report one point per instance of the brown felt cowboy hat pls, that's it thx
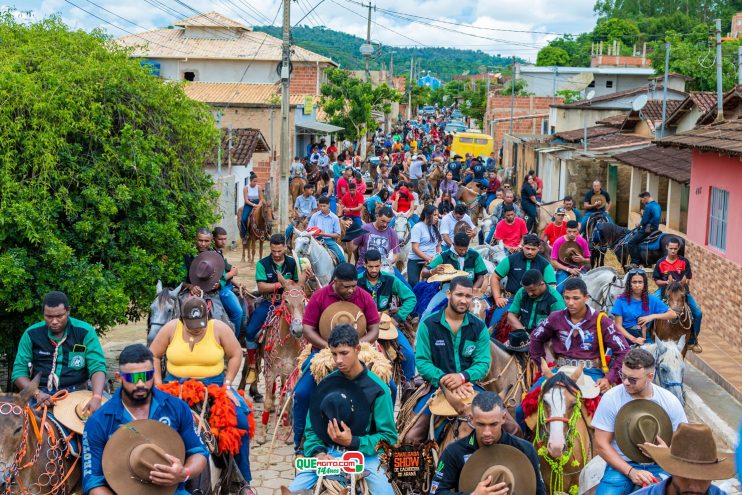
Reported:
(693, 455)
(639, 422)
(441, 407)
(339, 313)
(69, 411)
(134, 449)
(566, 250)
(206, 270)
(387, 328)
(449, 273)
(504, 464)
(598, 200)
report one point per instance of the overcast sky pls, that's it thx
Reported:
(484, 23)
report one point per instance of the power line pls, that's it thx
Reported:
(310, 11)
(380, 25)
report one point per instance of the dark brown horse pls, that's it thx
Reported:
(614, 237)
(472, 196)
(259, 229)
(676, 296)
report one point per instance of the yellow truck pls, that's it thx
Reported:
(476, 143)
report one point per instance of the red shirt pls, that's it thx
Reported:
(342, 187)
(331, 150)
(349, 201)
(322, 298)
(539, 183)
(511, 234)
(405, 198)
(553, 232)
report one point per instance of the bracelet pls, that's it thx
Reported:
(462, 377)
(188, 474)
(629, 473)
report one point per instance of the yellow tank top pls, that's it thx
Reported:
(204, 361)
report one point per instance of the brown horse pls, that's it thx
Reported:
(259, 229)
(296, 188)
(562, 438)
(472, 197)
(546, 215)
(676, 296)
(34, 450)
(280, 346)
(435, 176)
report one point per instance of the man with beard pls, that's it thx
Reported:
(138, 399)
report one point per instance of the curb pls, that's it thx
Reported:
(714, 375)
(709, 417)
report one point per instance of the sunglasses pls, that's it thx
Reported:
(630, 379)
(637, 271)
(143, 376)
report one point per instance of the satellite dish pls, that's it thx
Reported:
(639, 103)
(590, 95)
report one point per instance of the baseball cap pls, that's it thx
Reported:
(560, 211)
(194, 313)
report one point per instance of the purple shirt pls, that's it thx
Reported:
(579, 240)
(385, 241)
(322, 298)
(579, 345)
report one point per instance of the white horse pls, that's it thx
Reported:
(669, 365)
(306, 246)
(604, 285)
(403, 230)
(494, 254)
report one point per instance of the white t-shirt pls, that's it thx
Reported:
(449, 222)
(416, 169)
(614, 400)
(426, 243)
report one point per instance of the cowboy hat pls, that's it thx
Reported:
(518, 341)
(352, 232)
(588, 388)
(638, 422)
(504, 464)
(693, 455)
(338, 398)
(387, 328)
(131, 452)
(566, 250)
(69, 411)
(339, 313)
(441, 407)
(449, 273)
(598, 200)
(206, 270)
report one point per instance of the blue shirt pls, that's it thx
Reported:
(661, 489)
(326, 223)
(631, 311)
(305, 205)
(105, 421)
(651, 215)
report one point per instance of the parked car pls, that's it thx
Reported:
(428, 111)
(455, 126)
(456, 114)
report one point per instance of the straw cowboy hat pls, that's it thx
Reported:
(449, 273)
(504, 464)
(441, 407)
(69, 410)
(340, 313)
(567, 250)
(338, 398)
(133, 450)
(206, 270)
(588, 388)
(387, 328)
(639, 422)
(598, 200)
(693, 455)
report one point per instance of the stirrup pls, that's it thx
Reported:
(252, 376)
(696, 348)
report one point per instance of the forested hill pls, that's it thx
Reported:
(344, 49)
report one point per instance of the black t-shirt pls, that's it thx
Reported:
(591, 193)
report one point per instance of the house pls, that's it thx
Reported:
(686, 115)
(548, 81)
(429, 81)
(530, 115)
(714, 240)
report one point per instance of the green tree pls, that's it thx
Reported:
(614, 29)
(521, 88)
(101, 176)
(578, 49)
(552, 55)
(348, 102)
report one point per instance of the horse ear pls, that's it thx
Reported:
(302, 278)
(281, 279)
(545, 370)
(174, 293)
(681, 343)
(29, 390)
(578, 372)
(158, 287)
(661, 346)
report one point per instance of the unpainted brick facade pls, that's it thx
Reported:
(499, 108)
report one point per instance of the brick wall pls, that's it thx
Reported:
(720, 297)
(499, 108)
(304, 80)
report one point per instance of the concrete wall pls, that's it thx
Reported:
(227, 205)
(688, 121)
(713, 170)
(569, 119)
(260, 72)
(542, 84)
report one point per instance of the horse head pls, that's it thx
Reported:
(401, 226)
(295, 299)
(559, 396)
(669, 366)
(675, 295)
(302, 243)
(161, 310)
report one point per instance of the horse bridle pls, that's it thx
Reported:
(605, 293)
(560, 419)
(657, 376)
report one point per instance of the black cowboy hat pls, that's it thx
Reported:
(518, 341)
(206, 270)
(353, 231)
(338, 398)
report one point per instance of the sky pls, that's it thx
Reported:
(507, 27)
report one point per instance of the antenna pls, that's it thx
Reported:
(590, 95)
(639, 103)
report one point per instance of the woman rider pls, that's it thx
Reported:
(195, 347)
(636, 308)
(326, 187)
(448, 185)
(425, 241)
(253, 197)
(529, 203)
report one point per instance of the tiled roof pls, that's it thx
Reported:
(731, 100)
(245, 142)
(610, 97)
(724, 137)
(673, 163)
(246, 45)
(210, 19)
(614, 121)
(703, 100)
(652, 111)
(616, 140)
(579, 134)
(240, 94)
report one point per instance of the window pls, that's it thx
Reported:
(466, 140)
(609, 84)
(718, 217)
(479, 141)
(544, 127)
(592, 84)
(189, 76)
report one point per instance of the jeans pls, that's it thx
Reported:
(242, 459)
(437, 299)
(498, 312)
(246, 210)
(414, 267)
(334, 204)
(332, 245)
(408, 365)
(376, 480)
(616, 483)
(491, 233)
(356, 220)
(587, 216)
(634, 243)
(490, 198)
(485, 183)
(232, 307)
(257, 318)
(695, 310)
(532, 214)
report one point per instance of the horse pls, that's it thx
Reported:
(280, 346)
(306, 246)
(259, 229)
(562, 454)
(161, 310)
(546, 214)
(676, 297)
(473, 200)
(296, 188)
(614, 237)
(35, 452)
(604, 285)
(494, 254)
(669, 365)
(435, 176)
(403, 230)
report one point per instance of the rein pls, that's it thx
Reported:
(605, 294)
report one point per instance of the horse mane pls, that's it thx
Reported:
(602, 269)
(559, 380)
(162, 297)
(674, 287)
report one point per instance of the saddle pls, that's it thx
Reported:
(653, 240)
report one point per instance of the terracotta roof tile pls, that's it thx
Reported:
(210, 19)
(245, 142)
(614, 121)
(673, 163)
(652, 111)
(724, 137)
(579, 134)
(615, 141)
(240, 94)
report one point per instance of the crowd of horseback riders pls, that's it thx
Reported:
(514, 366)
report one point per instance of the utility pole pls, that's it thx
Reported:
(512, 96)
(719, 91)
(367, 56)
(219, 150)
(664, 89)
(554, 88)
(283, 192)
(391, 68)
(229, 152)
(409, 101)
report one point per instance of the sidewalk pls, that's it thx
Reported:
(721, 362)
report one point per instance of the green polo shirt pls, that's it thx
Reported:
(536, 317)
